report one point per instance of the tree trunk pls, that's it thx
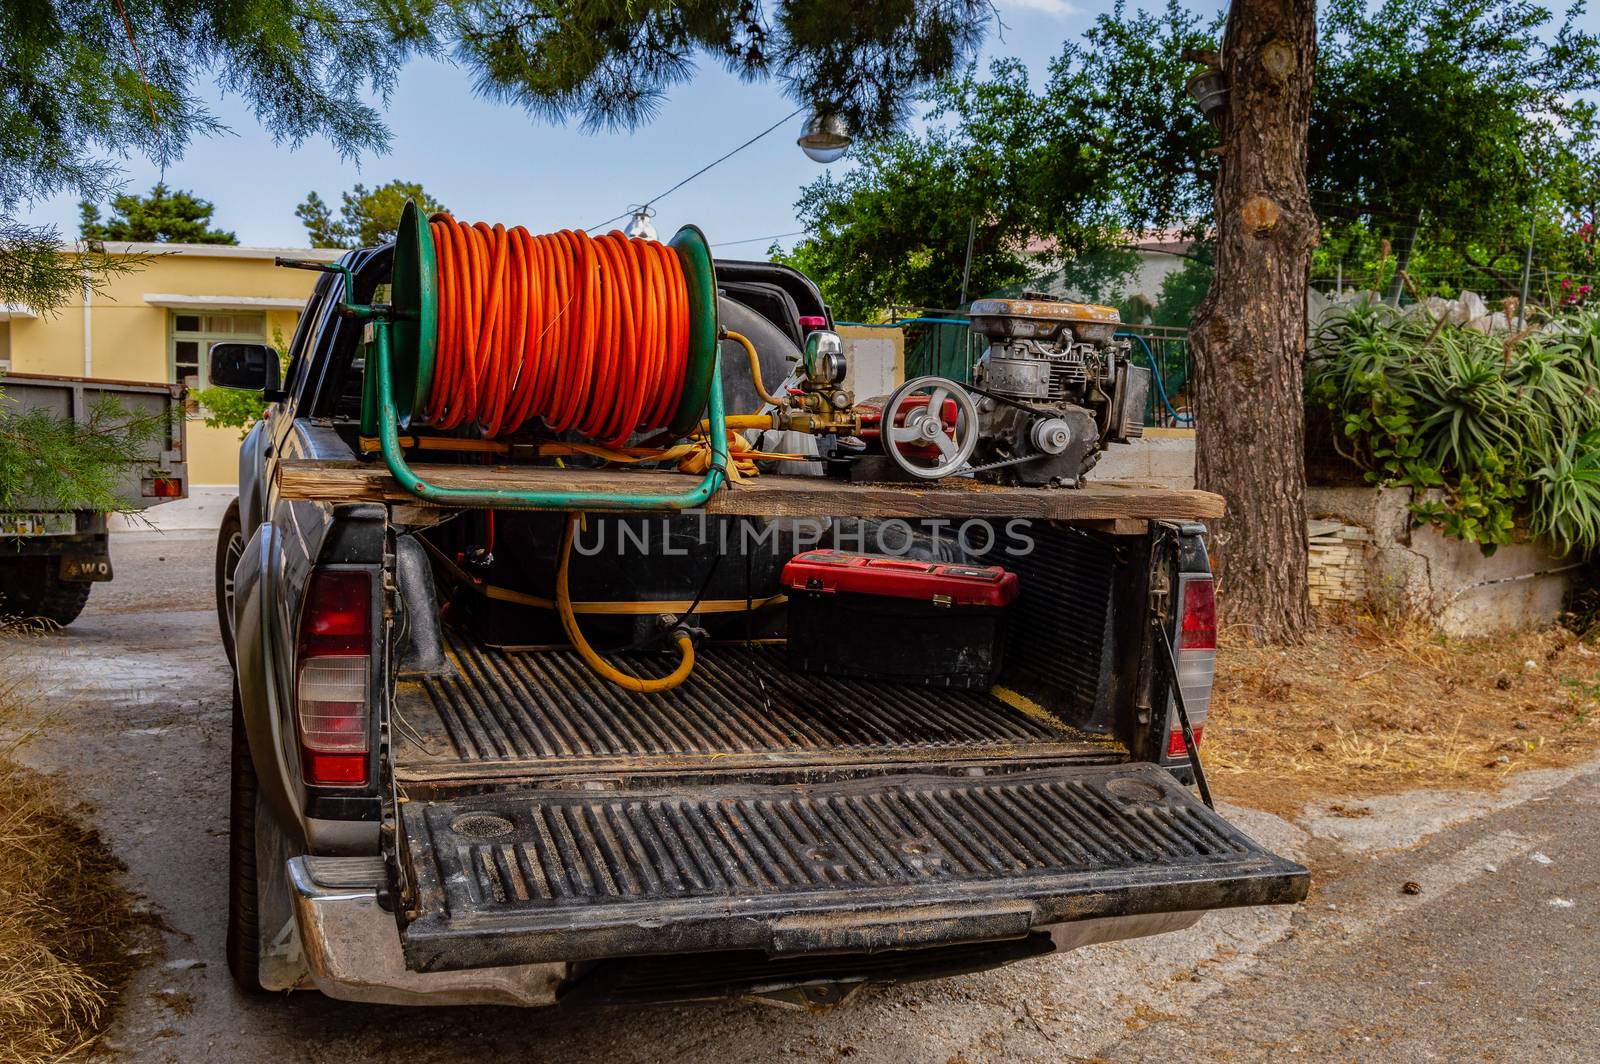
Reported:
(1248, 337)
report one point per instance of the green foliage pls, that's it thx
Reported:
(1100, 275)
(1107, 145)
(893, 230)
(1451, 124)
(1456, 123)
(37, 273)
(230, 408)
(50, 462)
(368, 217)
(74, 97)
(73, 93)
(1485, 431)
(609, 63)
(80, 84)
(1568, 493)
(1130, 77)
(1184, 288)
(164, 216)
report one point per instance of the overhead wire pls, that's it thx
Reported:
(757, 239)
(714, 162)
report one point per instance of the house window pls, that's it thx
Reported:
(192, 337)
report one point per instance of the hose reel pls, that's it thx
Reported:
(599, 318)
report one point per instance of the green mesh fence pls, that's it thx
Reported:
(942, 350)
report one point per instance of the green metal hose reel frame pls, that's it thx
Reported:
(402, 364)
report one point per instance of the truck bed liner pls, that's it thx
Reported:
(858, 866)
(541, 712)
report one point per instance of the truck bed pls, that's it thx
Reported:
(74, 399)
(538, 712)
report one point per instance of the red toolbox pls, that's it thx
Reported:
(882, 618)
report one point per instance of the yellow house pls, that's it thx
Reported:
(158, 322)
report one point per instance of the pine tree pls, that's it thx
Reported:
(367, 218)
(164, 216)
(54, 463)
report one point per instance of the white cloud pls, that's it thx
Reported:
(1058, 8)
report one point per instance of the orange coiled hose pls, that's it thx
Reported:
(581, 333)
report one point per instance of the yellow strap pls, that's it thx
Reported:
(692, 456)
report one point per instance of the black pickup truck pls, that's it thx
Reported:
(435, 801)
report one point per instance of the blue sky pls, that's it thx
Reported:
(492, 162)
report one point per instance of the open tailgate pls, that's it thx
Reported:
(890, 862)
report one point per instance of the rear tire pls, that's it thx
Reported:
(244, 921)
(32, 592)
(230, 547)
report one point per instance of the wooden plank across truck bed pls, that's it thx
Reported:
(771, 496)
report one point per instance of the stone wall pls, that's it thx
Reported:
(1365, 552)
(1340, 560)
(1161, 456)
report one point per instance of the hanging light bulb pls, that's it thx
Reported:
(824, 137)
(640, 225)
(1209, 91)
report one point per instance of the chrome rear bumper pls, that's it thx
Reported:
(350, 947)
(342, 943)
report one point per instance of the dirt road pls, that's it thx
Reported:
(1494, 959)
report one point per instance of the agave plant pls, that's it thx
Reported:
(1566, 504)
(1504, 430)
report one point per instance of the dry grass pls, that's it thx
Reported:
(1370, 707)
(65, 920)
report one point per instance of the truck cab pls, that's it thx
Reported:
(438, 798)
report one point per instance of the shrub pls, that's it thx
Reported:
(1487, 431)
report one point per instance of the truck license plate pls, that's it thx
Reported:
(42, 524)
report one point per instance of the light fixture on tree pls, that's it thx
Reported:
(824, 137)
(639, 225)
(1209, 91)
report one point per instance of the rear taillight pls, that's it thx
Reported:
(1197, 657)
(1175, 746)
(162, 488)
(332, 690)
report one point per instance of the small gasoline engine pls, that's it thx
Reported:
(1055, 387)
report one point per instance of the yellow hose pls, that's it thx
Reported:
(598, 665)
(740, 422)
(755, 367)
